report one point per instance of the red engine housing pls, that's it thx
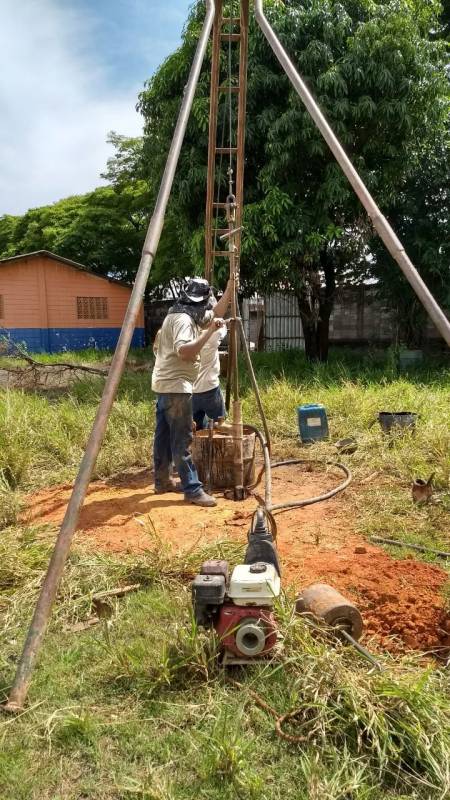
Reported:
(246, 631)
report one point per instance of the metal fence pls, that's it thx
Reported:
(272, 323)
(282, 323)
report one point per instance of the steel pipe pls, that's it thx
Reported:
(380, 223)
(56, 566)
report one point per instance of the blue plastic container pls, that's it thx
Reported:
(312, 422)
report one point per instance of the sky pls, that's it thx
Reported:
(70, 71)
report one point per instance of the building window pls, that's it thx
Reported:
(92, 307)
(2, 307)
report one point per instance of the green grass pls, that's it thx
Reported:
(139, 708)
(354, 391)
(144, 710)
(42, 436)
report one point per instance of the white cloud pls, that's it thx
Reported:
(56, 105)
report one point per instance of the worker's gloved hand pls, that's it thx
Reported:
(217, 323)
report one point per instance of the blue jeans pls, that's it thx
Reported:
(173, 438)
(207, 403)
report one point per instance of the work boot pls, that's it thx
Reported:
(201, 499)
(170, 486)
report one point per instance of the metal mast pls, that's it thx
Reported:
(228, 30)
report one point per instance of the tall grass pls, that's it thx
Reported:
(354, 391)
(42, 435)
(89, 356)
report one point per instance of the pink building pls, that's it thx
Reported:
(51, 304)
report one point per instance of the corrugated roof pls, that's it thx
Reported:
(68, 261)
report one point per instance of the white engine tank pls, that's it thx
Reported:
(254, 584)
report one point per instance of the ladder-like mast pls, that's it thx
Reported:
(228, 30)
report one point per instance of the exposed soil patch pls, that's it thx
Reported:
(400, 599)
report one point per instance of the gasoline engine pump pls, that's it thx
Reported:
(240, 606)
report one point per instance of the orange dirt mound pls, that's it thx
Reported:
(400, 599)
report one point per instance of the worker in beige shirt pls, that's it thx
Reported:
(207, 397)
(190, 323)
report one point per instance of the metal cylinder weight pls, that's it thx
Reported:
(326, 603)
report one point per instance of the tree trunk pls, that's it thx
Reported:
(309, 324)
(323, 337)
(327, 296)
(315, 304)
(218, 456)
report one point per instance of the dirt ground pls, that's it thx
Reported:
(400, 600)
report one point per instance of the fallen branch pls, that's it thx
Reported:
(22, 353)
(117, 592)
(82, 626)
(102, 609)
(370, 478)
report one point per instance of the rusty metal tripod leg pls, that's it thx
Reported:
(55, 569)
(380, 223)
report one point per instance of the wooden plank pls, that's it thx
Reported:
(226, 151)
(231, 21)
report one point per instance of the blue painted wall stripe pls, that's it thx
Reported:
(56, 340)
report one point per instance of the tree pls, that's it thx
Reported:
(380, 79)
(103, 229)
(421, 218)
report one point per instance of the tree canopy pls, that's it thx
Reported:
(103, 229)
(379, 76)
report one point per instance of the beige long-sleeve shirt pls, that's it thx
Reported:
(171, 374)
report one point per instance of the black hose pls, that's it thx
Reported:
(319, 498)
(308, 501)
(267, 467)
(254, 383)
(408, 545)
